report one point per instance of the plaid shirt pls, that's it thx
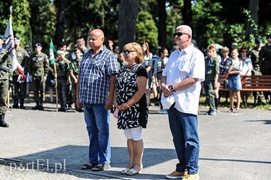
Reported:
(95, 76)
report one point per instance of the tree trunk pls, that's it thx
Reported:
(253, 8)
(127, 21)
(162, 31)
(187, 13)
(59, 35)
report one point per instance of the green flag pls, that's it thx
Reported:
(52, 53)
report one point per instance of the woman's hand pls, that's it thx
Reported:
(123, 107)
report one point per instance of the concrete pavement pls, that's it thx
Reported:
(233, 146)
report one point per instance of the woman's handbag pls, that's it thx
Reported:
(116, 113)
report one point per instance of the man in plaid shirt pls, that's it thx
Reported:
(95, 92)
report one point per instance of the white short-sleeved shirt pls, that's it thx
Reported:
(246, 66)
(187, 63)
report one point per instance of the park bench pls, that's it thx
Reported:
(250, 83)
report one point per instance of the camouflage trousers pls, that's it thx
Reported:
(19, 88)
(210, 94)
(62, 91)
(257, 95)
(3, 96)
(38, 88)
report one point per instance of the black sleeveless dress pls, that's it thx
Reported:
(126, 87)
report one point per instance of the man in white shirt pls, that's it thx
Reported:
(181, 81)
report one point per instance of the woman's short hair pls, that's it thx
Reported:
(225, 49)
(134, 46)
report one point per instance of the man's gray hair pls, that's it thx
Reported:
(187, 29)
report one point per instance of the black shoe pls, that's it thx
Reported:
(2, 121)
(69, 107)
(41, 107)
(36, 107)
(22, 107)
(62, 109)
(79, 109)
(15, 106)
(4, 125)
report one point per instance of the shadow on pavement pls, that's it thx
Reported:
(69, 158)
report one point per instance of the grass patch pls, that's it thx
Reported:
(250, 103)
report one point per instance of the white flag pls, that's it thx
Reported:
(9, 45)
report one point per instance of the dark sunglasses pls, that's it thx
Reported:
(243, 51)
(179, 34)
(126, 52)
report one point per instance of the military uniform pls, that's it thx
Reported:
(38, 68)
(265, 64)
(5, 73)
(62, 78)
(74, 69)
(69, 85)
(211, 69)
(20, 87)
(255, 58)
(265, 60)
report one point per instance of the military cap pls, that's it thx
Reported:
(17, 38)
(268, 36)
(61, 44)
(38, 44)
(60, 52)
(258, 40)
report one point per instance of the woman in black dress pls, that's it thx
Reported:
(132, 105)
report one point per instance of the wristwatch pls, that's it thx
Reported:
(172, 89)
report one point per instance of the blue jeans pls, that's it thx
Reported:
(97, 121)
(184, 129)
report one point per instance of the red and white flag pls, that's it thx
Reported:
(9, 45)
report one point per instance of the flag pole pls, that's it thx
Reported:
(10, 10)
(56, 87)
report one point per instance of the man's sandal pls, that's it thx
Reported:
(88, 166)
(101, 167)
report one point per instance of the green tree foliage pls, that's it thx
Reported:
(4, 15)
(146, 29)
(42, 22)
(207, 27)
(213, 21)
(82, 16)
(20, 18)
(174, 19)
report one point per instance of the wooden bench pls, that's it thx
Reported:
(250, 83)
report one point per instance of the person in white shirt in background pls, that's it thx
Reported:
(246, 71)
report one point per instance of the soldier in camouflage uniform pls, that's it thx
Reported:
(254, 56)
(38, 69)
(68, 58)
(211, 78)
(81, 44)
(74, 72)
(5, 73)
(61, 75)
(19, 87)
(265, 62)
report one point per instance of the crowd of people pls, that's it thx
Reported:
(101, 79)
(235, 63)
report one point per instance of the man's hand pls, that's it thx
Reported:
(165, 89)
(108, 105)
